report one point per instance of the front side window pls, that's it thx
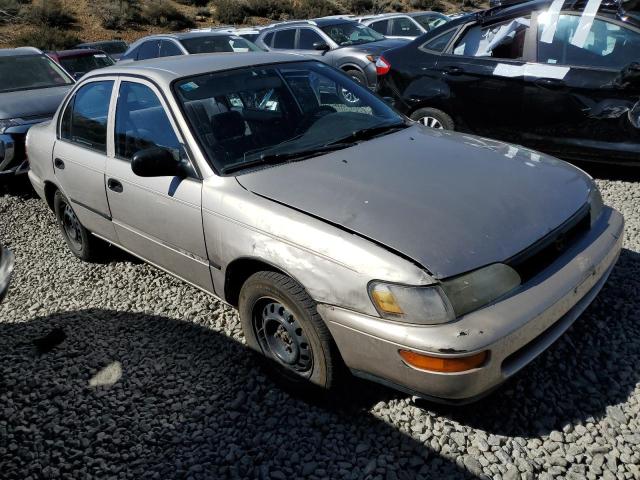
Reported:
(285, 39)
(307, 38)
(27, 72)
(142, 122)
(85, 118)
(86, 63)
(351, 33)
(504, 40)
(218, 44)
(274, 114)
(169, 49)
(404, 27)
(431, 21)
(380, 26)
(604, 45)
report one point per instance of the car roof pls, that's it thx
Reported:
(166, 69)
(77, 52)
(99, 42)
(19, 51)
(186, 35)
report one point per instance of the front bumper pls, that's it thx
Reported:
(515, 329)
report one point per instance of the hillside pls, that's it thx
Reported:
(62, 23)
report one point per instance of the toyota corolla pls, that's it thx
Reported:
(347, 237)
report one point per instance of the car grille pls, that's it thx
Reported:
(545, 251)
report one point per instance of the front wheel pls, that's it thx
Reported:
(433, 118)
(280, 321)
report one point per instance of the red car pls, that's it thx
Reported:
(80, 61)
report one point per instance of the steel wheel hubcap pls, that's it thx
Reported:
(72, 226)
(431, 122)
(282, 338)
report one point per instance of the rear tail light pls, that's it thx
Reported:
(382, 66)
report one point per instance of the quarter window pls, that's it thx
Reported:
(606, 45)
(504, 40)
(268, 38)
(285, 39)
(141, 122)
(404, 27)
(307, 38)
(85, 119)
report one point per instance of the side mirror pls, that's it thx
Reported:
(156, 162)
(322, 46)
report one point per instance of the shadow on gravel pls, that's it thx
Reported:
(142, 396)
(611, 172)
(581, 378)
(17, 186)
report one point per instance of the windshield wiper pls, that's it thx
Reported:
(284, 157)
(371, 132)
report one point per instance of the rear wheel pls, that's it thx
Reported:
(433, 118)
(347, 96)
(281, 322)
(79, 240)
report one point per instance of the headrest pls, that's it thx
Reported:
(227, 125)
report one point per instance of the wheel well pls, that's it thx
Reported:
(238, 272)
(49, 192)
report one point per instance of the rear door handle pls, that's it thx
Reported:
(454, 70)
(59, 164)
(114, 185)
(550, 83)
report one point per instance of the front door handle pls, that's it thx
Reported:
(59, 164)
(454, 70)
(550, 83)
(114, 185)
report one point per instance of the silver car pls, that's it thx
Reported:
(404, 25)
(434, 262)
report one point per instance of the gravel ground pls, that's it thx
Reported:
(152, 380)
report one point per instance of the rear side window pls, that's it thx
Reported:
(439, 43)
(148, 50)
(84, 121)
(604, 45)
(285, 39)
(380, 26)
(503, 40)
(307, 38)
(404, 27)
(169, 49)
(268, 38)
(142, 122)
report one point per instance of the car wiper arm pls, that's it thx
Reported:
(275, 158)
(371, 132)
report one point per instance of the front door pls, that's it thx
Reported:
(583, 111)
(80, 154)
(157, 218)
(484, 71)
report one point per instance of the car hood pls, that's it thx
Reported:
(376, 48)
(42, 102)
(450, 202)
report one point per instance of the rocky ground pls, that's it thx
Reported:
(150, 379)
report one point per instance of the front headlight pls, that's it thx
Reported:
(595, 203)
(475, 289)
(422, 305)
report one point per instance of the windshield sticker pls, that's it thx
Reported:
(550, 21)
(189, 87)
(586, 22)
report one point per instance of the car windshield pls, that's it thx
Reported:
(26, 72)
(351, 33)
(218, 44)
(112, 47)
(273, 114)
(86, 63)
(431, 20)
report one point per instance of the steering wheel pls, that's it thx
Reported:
(313, 116)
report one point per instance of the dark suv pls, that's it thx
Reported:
(32, 86)
(539, 74)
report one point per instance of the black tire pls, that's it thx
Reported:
(79, 240)
(282, 337)
(349, 98)
(443, 120)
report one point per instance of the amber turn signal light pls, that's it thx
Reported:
(443, 365)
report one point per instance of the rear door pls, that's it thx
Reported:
(285, 40)
(582, 110)
(80, 154)
(157, 218)
(484, 72)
